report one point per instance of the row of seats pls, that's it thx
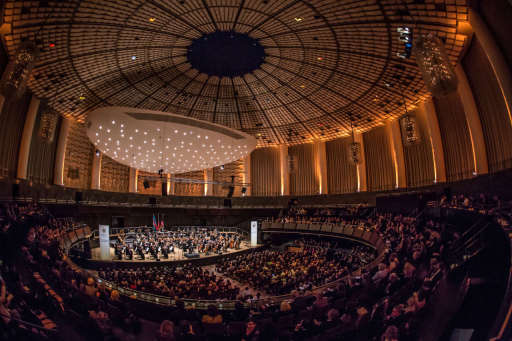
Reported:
(26, 191)
(369, 236)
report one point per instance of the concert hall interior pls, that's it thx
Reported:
(256, 170)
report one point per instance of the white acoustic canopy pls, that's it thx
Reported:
(153, 140)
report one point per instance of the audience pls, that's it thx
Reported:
(306, 265)
(41, 286)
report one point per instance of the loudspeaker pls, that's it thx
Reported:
(152, 200)
(78, 196)
(164, 189)
(227, 203)
(145, 184)
(230, 191)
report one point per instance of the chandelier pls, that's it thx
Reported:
(434, 65)
(410, 133)
(17, 72)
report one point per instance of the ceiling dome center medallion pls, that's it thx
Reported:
(225, 54)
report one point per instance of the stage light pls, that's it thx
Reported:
(405, 36)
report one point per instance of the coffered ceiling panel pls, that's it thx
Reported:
(325, 64)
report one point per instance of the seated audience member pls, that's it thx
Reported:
(391, 334)
(166, 331)
(252, 332)
(90, 288)
(285, 307)
(186, 331)
(212, 316)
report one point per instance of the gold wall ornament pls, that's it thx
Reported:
(435, 65)
(354, 152)
(410, 133)
(292, 164)
(48, 124)
(16, 74)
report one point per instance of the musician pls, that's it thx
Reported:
(153, 244)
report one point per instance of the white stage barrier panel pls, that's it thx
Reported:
(254, 233)
(104, 242)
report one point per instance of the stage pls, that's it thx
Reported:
(177, 256)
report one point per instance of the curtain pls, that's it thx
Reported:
(380, 170)
(458, 153)
(303, 181)
(265, 172)
(341, 173)
(496, 124)
(418, 158)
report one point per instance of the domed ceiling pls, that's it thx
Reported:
(284, 71)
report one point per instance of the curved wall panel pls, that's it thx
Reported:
(380, 172)
(341, 174)
(114, 176)
(496, 123)
(458, 153)
(265, 174)
(303, 181)
(497, 14)
(78, 159)
(155, 186)
(419, 164)
(190, 189)
(12, 120)
(41, 158)
(235, 169)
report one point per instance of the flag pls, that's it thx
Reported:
(161, 224)
(154, 223)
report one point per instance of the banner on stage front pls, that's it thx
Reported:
(104, 242)
(254, 233)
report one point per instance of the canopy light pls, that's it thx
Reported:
(154, 140)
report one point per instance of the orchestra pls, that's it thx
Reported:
(157, 245)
